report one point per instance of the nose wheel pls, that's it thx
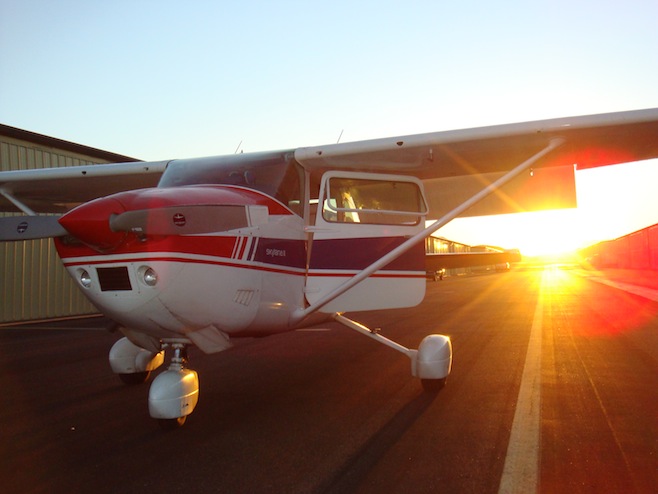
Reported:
(174, 393)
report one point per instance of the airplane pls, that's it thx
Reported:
(197, 252)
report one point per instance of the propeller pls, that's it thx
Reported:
(106, 223)
(187, 220)
(30, 227)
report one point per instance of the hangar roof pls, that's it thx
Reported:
(53, 142)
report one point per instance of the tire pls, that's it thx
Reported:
(135, 378)
(172, 424)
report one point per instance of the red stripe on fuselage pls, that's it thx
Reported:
(185, 260)
(241, 244)
(279, 255)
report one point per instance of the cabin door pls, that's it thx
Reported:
(361, 217)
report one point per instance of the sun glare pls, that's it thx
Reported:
(612, 201)
(547, 233)
(542, 233)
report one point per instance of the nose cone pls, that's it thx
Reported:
(90, 223)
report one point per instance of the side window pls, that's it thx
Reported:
(372, 201)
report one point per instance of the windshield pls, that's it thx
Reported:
(274, 174)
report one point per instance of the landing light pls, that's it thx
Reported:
(85, 279)
(149, 276)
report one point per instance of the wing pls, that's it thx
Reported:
(453, 164)
(56, 190)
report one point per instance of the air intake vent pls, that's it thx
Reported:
(114, 279)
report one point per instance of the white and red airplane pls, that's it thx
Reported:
(262, 243)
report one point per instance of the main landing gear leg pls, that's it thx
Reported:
(175, 392)
(431, 363)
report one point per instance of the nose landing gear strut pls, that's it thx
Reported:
(175, 392)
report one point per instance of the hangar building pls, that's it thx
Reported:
(33, 282)
(636, 250)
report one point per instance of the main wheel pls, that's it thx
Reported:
(135, 378)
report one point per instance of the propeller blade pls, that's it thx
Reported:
(30, 228)
(183, 220)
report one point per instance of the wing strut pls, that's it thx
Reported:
(421, 236)
(17, 203)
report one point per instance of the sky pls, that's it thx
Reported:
(169, 79)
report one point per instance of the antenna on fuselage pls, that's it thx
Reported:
(340, 135)
(238, 148)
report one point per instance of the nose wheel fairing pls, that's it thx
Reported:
(174, 393)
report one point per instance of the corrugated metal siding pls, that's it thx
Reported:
(33, 281)
(637, 250)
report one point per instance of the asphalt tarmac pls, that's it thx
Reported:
(554, 389)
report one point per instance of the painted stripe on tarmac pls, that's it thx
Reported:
(521, 470)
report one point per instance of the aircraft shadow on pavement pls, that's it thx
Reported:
(357, 467)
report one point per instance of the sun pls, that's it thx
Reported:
(546, 233)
